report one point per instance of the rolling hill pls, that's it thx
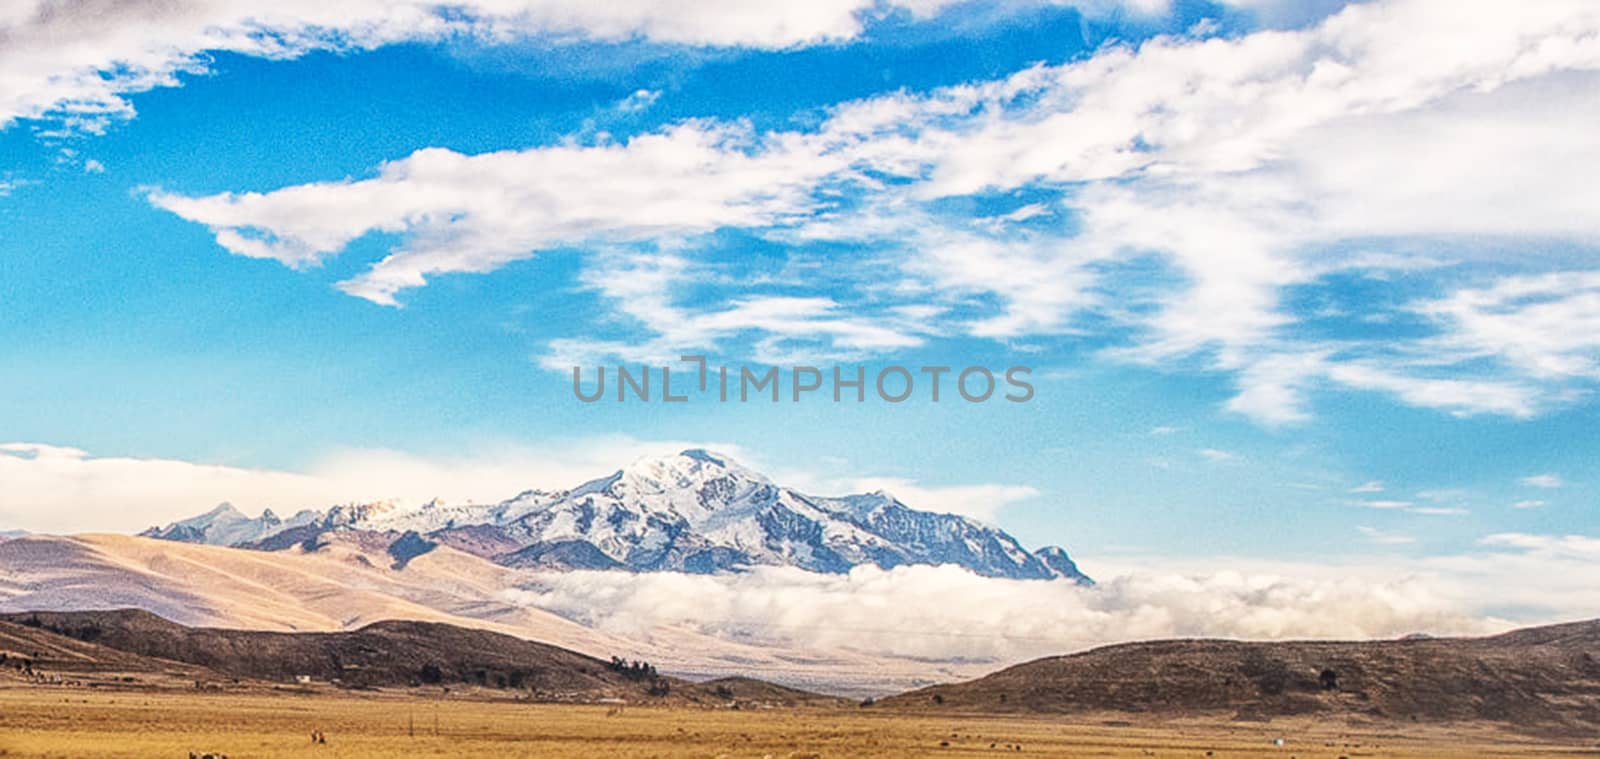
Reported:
(33, 655)
(60, 646)
(1543, 677)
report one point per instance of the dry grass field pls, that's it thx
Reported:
(77, 723)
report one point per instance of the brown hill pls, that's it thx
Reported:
(389, 654)
(31, 654)
(1544, 677)
(748, 690)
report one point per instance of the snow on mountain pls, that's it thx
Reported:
(695, 511)
(227, 526)
(1056, 558)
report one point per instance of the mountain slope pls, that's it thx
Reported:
(31, 654)
(380, 655)
(352, 579)
(390, 653)
(1545, 676)
(227, 526)
(695, 511)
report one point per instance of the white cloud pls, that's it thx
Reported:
(1458, 396)
(931, 612)
(1241, 160)
(1272, 388)
(1371, 486)
(638, 101)
(1440, 511)
(1528, 504)
(9, 184)
(1383, 504)
(1547, 325)
(949, 613)
(477, 213)
(1532, 578)
(1217, 456)
(76, 62)
(1244, 165)
(1546, 481)
(1410, 507)
(1380, 537)
(646, 289)
(1565, 546)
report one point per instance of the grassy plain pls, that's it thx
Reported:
(79, 723)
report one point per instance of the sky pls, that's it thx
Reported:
(1298, 283)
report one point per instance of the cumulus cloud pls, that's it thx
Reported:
(949, 613)
(465, 213)
(1245, 166)
(945, 613)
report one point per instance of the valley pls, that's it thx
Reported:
(35, 724)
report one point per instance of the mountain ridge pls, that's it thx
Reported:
(695, 511)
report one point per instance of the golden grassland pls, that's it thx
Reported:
(78, 723)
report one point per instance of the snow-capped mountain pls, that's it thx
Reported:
(695, 511)
(227, 526)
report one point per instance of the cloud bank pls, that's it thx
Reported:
(946, 613)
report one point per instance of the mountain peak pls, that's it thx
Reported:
(695, 510)
(226, 508)
(1056, 558)
(690, 468)
(701, 454)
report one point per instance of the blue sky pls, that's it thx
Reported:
(1321, 291)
